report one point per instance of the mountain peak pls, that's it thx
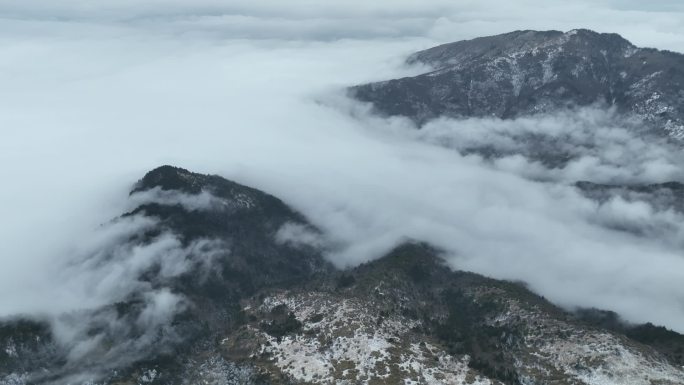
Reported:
(530, 72)
(523, 42)
(169, 177)
(598, 37)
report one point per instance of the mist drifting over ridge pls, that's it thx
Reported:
(94, 97)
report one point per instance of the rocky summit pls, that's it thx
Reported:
(530, 72)
(261, 305)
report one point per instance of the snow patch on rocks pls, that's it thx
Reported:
(344, 341)
(601, 359)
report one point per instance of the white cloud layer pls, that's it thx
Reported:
(94, 96)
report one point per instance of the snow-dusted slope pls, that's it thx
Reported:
(528, 72)
(390, 326)
(248, 308)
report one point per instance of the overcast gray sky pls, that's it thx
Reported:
(94, 94)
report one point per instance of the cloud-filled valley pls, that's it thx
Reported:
(94, 98)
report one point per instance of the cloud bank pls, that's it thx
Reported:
(93, 97)
(109, 300)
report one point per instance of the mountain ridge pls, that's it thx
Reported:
(270, 312)
(531, 72)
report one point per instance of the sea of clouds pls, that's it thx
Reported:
(94, 95)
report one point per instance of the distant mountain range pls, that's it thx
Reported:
(530, 72)
(271, 310)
